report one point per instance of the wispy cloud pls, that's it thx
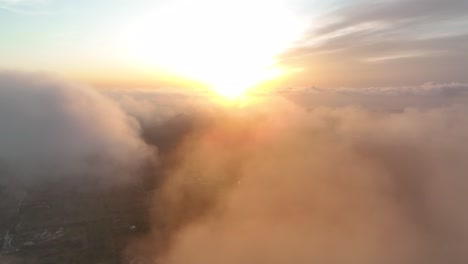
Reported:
(431, 35)
(22, 6)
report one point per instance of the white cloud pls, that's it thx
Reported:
(272, 182)
(276, 182)
(51, 128)
(22, 6)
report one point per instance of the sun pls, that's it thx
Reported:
(229, 92)
(230, 46)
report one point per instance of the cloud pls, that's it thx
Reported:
(409, 39)
(388, 99)
(281, 182)
(413, 11)
(22, 6)
(365, 176)
(55, 129)
(21, 2)
(434, 89)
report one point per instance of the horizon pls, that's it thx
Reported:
(286, 43)
(233, 132)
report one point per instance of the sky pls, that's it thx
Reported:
(298, 43)
(359, 156)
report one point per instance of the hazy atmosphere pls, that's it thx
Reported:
(206, 132)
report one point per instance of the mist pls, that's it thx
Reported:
(296, 176)
(280, 181)
(53, 128)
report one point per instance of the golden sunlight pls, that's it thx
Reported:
(230, 46)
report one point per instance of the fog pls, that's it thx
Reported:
(51, 128)
(280, 184)
(298, 176)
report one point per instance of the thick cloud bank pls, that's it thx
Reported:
(50, 128)
(278, 182)
(306, 176)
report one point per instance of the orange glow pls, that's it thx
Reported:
(229, 46)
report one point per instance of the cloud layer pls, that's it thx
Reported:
(367, 43)
(333, 185)
(279, 182)
(51, 128)
(299, 176)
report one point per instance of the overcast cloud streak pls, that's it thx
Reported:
(370, 43)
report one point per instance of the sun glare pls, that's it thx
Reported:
(230, 46)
